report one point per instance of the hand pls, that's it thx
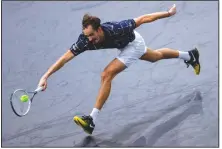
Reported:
(172, 10)
(43, 83)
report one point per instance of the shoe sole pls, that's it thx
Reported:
(77, 121)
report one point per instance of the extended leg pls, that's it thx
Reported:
(190, 58)
(88, 122)
(107, 76)
(164, 53)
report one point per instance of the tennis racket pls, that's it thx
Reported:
(19, 107)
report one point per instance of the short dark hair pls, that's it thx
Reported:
(90, 20)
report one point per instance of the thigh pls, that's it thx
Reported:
(150, 55)
(115, 67)
(133, 51)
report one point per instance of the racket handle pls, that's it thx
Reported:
(39, 89)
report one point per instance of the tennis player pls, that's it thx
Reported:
(121, 35)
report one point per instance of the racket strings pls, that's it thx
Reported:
(21, 105)
(21, 108)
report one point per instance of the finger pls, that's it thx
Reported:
(45, 86)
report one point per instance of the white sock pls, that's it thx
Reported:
(94, 114)
(184, 55)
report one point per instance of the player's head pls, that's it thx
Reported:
(92, 28)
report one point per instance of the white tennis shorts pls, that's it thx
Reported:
(133, 51)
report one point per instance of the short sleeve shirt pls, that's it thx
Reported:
(117, 35)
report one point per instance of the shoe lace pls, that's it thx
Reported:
(88, 119)
(84, 117)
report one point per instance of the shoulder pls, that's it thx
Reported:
(112, 25)
(128, 23)
(80, 45)
(82, 37)
(82, 40)
(109, 25)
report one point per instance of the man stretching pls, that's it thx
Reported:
(120, 35)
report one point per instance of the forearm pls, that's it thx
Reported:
(154, 16)
(59, 63)
(56, 66)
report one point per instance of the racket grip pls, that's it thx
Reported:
(39, 89)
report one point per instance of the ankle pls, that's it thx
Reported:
(184, 55)
(94, 114)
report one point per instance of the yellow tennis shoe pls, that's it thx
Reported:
(194, 60)
(86, 122)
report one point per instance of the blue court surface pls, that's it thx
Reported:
(162, 104)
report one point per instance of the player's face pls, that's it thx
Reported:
(94, 36)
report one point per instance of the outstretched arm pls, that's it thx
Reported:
(56, 66)
(147, 18)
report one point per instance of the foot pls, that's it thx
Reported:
(86, 122)
(194, 60)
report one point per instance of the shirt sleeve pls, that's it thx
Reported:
(80, 46)
(127, 26)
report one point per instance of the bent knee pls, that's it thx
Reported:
(107, 75)
(157, 56)
(152, 55)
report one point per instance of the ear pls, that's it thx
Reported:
(99, 29)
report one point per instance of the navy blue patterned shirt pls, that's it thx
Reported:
(117, 35)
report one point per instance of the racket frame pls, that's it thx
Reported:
(30, 100)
